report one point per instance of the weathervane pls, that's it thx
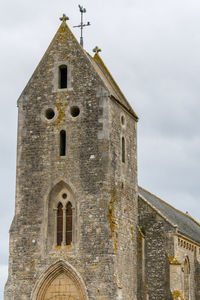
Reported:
(82, 25)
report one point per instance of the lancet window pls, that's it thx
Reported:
(63, 77)
(123, 150)
(59, 224)
(62, 143)
(68, 224)
(64, 224)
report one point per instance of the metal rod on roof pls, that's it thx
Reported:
(82, 25)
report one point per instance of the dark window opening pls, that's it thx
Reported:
(68, 224)
(49, 113)
(59, 224)
(64, 196)
(123, 149)
(63, 77)
(62, 143)
(75, 111)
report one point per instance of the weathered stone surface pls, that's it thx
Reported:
(197, 279)
(113, 254)
(157, 248)
(104, 251)
(166, 253)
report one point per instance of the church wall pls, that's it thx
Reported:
(123, 206)
(159, 246)
(186, 249)
(85, 170)
(166, 254)
(103, 249)
(86, 154)
(197, 278)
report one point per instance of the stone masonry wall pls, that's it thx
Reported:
(197, 279)
(103, 251)
(185, 249)
(158, 248)
(123, 205)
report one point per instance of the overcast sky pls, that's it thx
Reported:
(152, 49)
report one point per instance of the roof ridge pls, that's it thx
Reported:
(62, 28)
(98, 60)
(185, 214)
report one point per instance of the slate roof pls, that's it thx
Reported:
(185, 223)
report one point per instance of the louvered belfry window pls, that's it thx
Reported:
(68, 224)
(59, 224)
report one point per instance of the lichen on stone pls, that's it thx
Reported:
(177, 295)
(61, 113)
(173, 260)
(111, 217)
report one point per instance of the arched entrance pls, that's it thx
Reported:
(60, 282)
(62, 288)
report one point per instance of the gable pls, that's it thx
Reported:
(186, 225)
(111, 84)
(65, 48)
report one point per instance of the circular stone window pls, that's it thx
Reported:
(49, 114)
(64, 196)
(75, 111)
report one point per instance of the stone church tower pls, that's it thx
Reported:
(73, 236)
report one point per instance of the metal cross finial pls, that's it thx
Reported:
(64, 18)
(96, 50)
(82, 25)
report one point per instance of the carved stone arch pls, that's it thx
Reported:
(60, 282)
(187, 264)
(54, 197)
(56, 192)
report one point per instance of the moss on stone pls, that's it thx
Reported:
(177, 295)
(173, 260)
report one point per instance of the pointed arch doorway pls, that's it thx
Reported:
(60, 282)
(62, 288)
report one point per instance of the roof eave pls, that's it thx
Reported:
(130, 111)
(158, 212)
(183, 235)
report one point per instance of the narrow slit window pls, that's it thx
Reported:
(123, 150)
(68, 224)
(62, 143)
(63, 77)
(59, 224)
